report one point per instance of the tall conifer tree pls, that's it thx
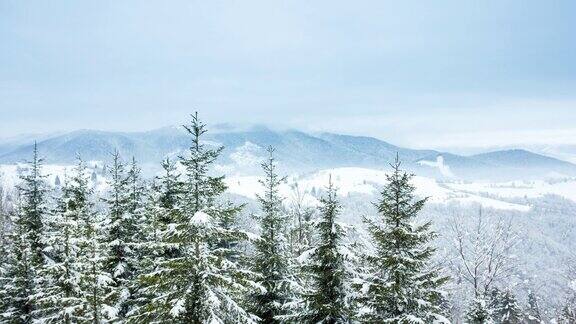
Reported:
(200, 285)
(78, 288)
(61, 298)
(27, 257)
(272, 255)
(326, 301)
(479, 313)
(399, 287)
(32, 191)
(95, 282)
(122, 230)
(533, 315)
(17, 284)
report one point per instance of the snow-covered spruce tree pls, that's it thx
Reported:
(97, 284)
(138, 193)
(17, 281)
(326, 300)
(166, 197)
(121, 234)
(4, 223)
(532, 313)
(32, 191)
(399, 286)
(567, 314)
(95, 281)
(160, 214)
(27, 256)
(78, 288)
(200, 285)
(479, 313)
(136, 190)
(272, 256)
(505, 308)
(60, 299)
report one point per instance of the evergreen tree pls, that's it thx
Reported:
(271, 258)
(479, 313)
(136, 191)
(533, 315)
(567, 314)
(200, 285)
(60, 300)
(399, 288)
(167, 195)
(17, 281)
(326, 301)
(32, 191)
(123, 217)
(137, 214)
(506, 310)
(77, 288)
(26, 258)
(95, 281)
(160, 213)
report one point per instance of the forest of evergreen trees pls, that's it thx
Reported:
(170, 250)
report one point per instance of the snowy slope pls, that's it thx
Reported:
(9, 174)
(297, 151)
(364, 181)
(350, 181)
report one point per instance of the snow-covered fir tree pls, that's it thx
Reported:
(505, 307)
(200, 285)
(32, 191)
(532, 313)
(567, 314)
(121, 233)
(4, 224)
(325, 301)
(27, 255)
(399, 285)
(95, 282)
(272, 256)
(60, 299)
(160, 214)
(17, 284)
(479, 313)
(77, 289)
(166, 195)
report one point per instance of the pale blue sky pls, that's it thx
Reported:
(419, 73)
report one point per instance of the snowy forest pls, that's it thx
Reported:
(176, 248)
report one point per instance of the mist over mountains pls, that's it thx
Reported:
(297, 151)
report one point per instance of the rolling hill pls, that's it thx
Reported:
(297, 152)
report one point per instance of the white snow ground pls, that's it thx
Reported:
(368, 181)
(361, 181)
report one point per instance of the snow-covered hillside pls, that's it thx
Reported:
(55, 174)
(296, 150)
(353, 180)
(367, 181)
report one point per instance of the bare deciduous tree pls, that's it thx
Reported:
(484, 251)
(301, 215)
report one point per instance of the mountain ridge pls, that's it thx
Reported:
(296, 151)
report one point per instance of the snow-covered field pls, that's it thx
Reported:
(55, 174)
(360, 181)
(368, 181)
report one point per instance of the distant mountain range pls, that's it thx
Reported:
(295, 150)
